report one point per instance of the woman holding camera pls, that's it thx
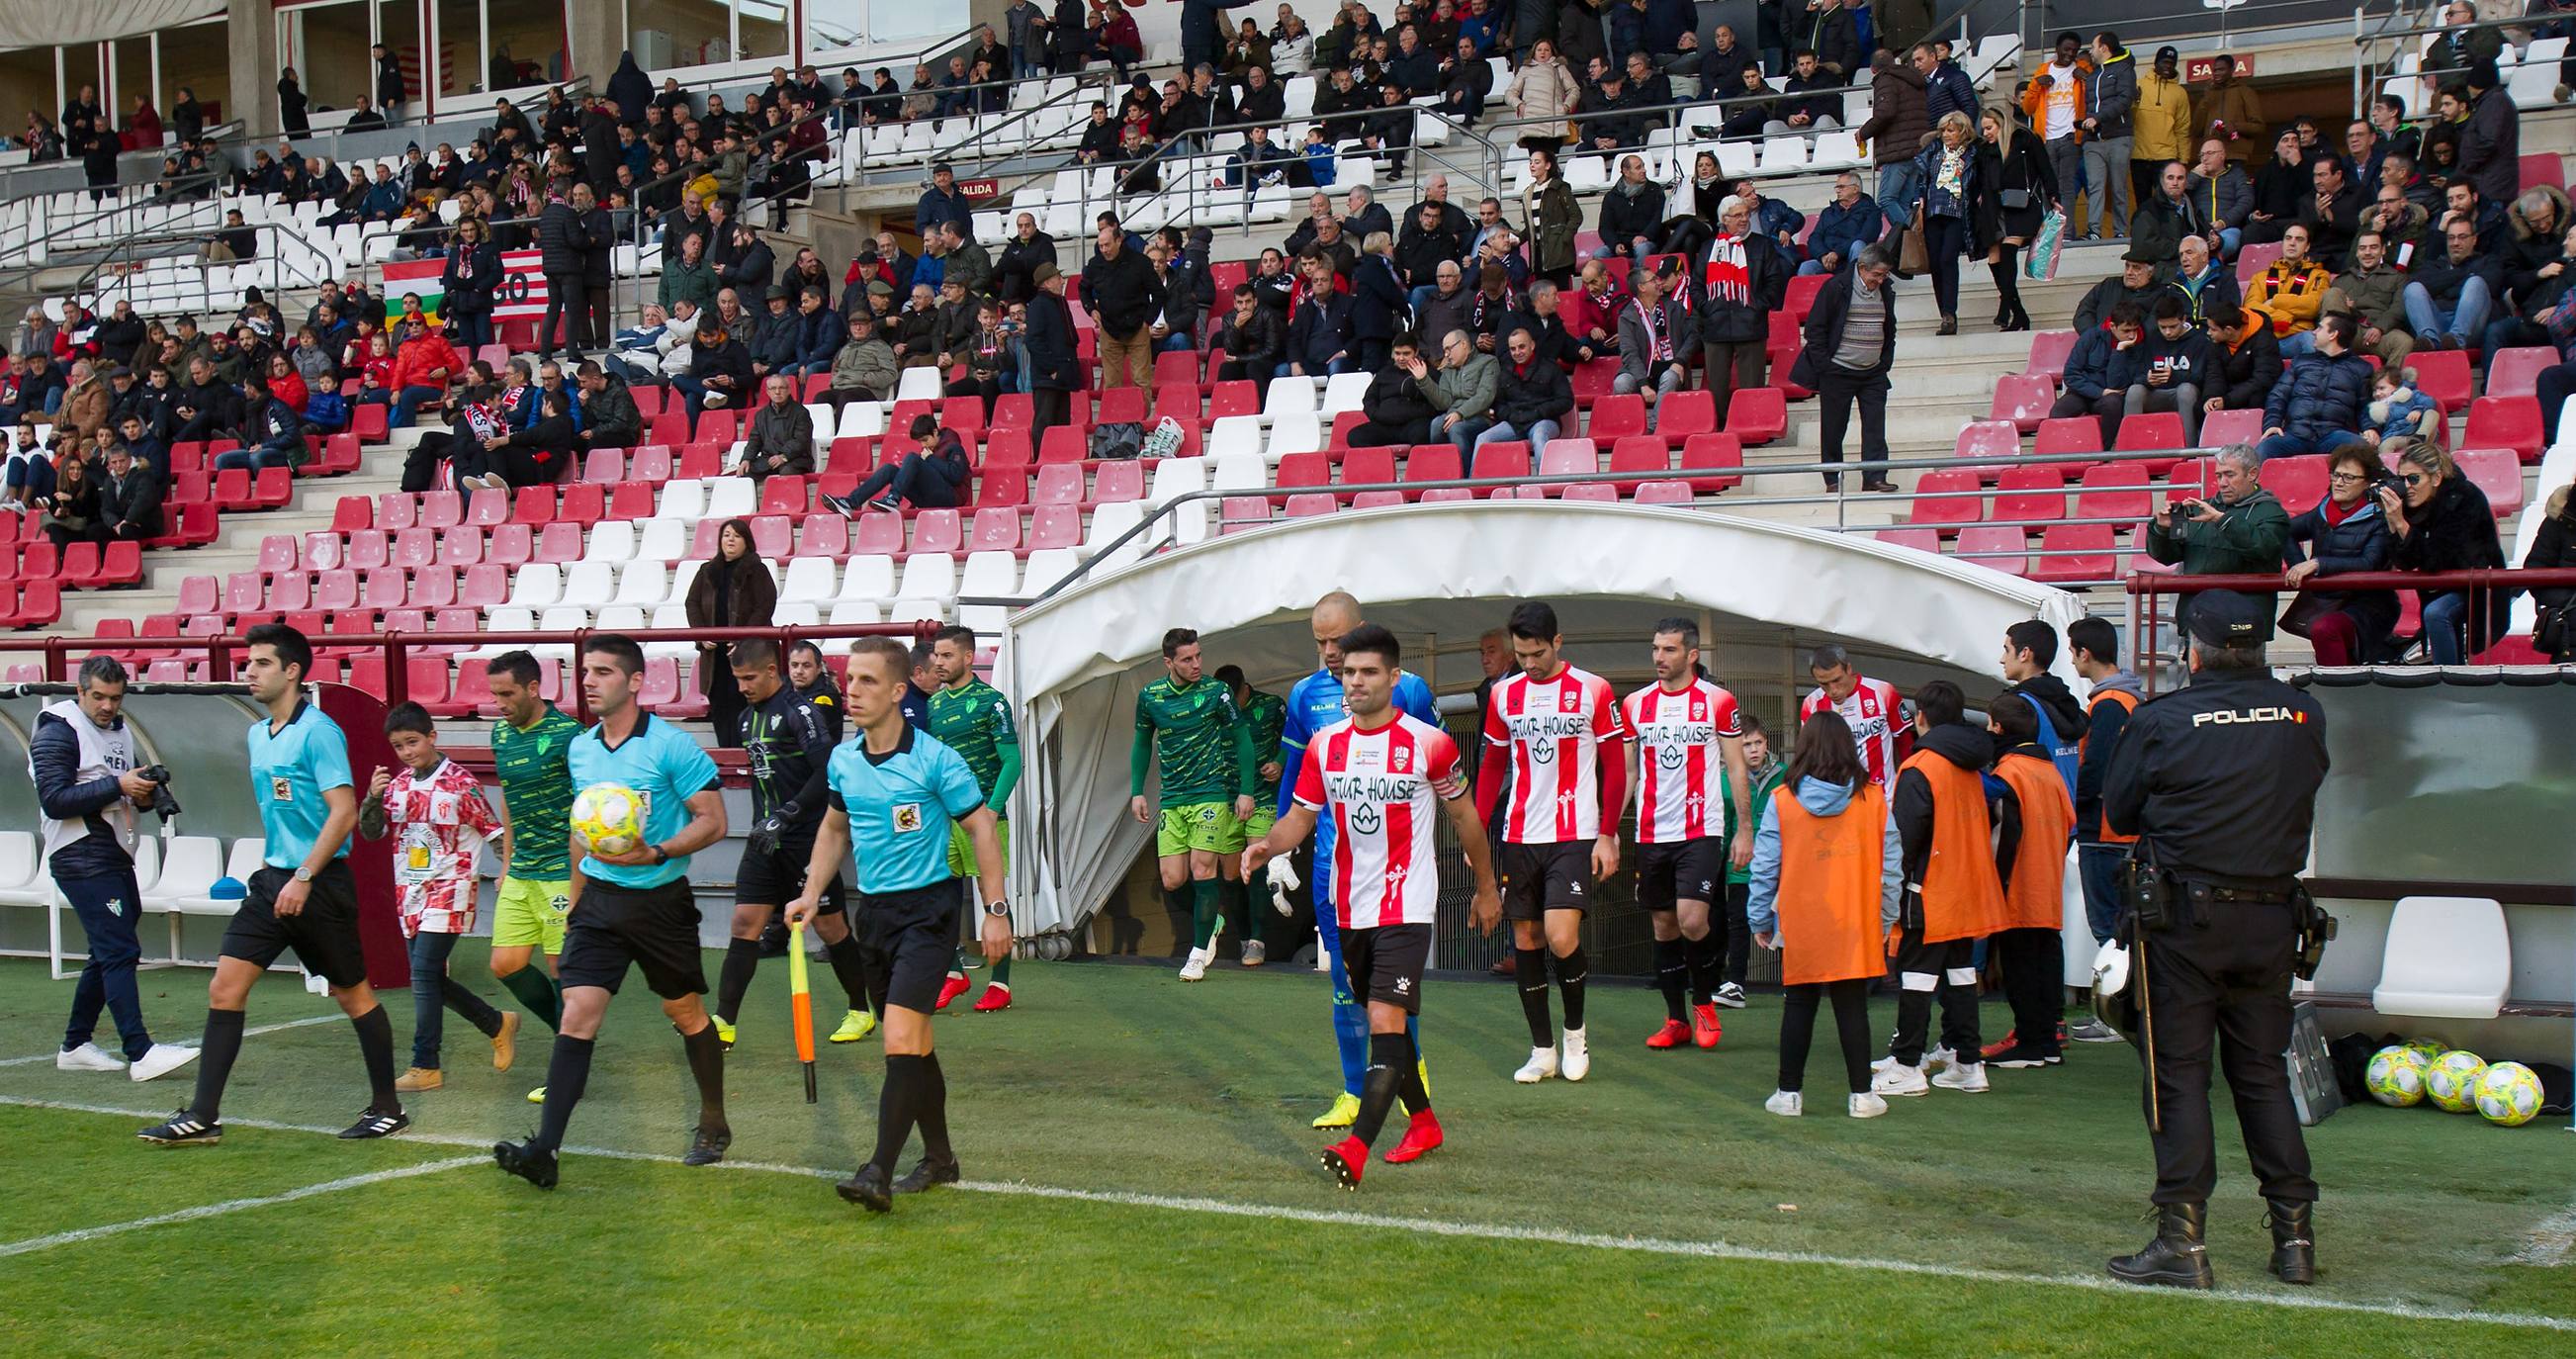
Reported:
(2443, 523)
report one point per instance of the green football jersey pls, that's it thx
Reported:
(1200, 739)
(974, 720)
(536, 785)
(1267, 716)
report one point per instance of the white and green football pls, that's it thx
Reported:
(2453, 1081)
(609, 817)
(2508, 1094)
(2395, 1076)
(2432, 1048)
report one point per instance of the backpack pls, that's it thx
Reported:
(1120, 441)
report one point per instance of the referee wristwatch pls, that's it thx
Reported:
(660, 855)
(999, 910)
(303, 874)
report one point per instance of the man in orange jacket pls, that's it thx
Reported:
(2030, 947)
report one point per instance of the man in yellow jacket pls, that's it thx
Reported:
(2162, 124)
(2291, 291)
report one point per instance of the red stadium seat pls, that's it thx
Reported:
(1509, 458)
(437, 509)
(339, 455)
(1801, 297)
(558, 543)
(877, 534)
(1580, 458)
(1240, 397)
(650, 400)
(1118, 481)
(606, 466)
(2442, 374)
(2097, 560)
(1055, 526)
(1016, 410)
(823, 535)
(2048, 352)
(2004, 547)
(323, 551)
(2496, 471)
(1702, 455)
(1002, 487)
(1593, 380)
(2512, 372)
(485, 587)
(1376, 500)
(2543, 169)
(1174, 368)
(1002, 448)
(1613, 416)
(964, 414)
(78, 569)
(1309, 504)
(465, 547)
(773, 536)
(199, 594)
(1062, 444)
(1299, 470)
(1238, 513)
(353, 512)
(2080, 434)
(434, 588)
(1955, 508)
(368, 422)
(938, 531)
(2296, 482)
(1636, 460)
(277, 553)
(631, 500)
(652, 462)
(414, 547)
(584, 503)
(1664, 493)
(2218, 429)
(2149, 430)
(2114, 491)
(1988, 439)
(1122, 405)
(720, 426)
(2023, 399)
(1059, 483)
(386, 587)
(1757, 415)
(1919, 539)
(2254, 259)
(2026, 494)
(1425, 463)
(699, 461)
(1593, 491)
(2505, 422)
(510, 545)
(532, 505)
(996, 530)
(243, 590)
(785, 495)
(1684, 414)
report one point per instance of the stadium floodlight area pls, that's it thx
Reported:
(1439, 575)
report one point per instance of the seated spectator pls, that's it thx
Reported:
(2291, 291)
(31, 468)
(1254, 341)
(656, 348)
(1258, 163)
(1632, 213)
(1462, 390)
(2318, 405)
(1655, 340)
(2454, 290)
(1591, 313)
(781, 437)
(1466, 84)
(1812, 100)
(541, 453)
(2346, 532)
(2101, 369)
(2553, 548)
(2462, 203)
(1493, 308)
(1389, 130)
(1610, 120)
(935, 477)
(1442, 306)
(610, 418)
(2443, 523)
(2173, 366)
(1750, 113)
(2373, 293)
(1554, 345)
(2249, 360)
(1533, 398)
(271, 433)
(2399, 411)
(2205, 286)
(2136, 285)
(1398, 402)
(719, 369)
(71, 509)
(865, 368)
(2239, 528)
(1320, 337)
(149, 450)
(2279, 187)
(130, 497)
(423, 366)
(1843, 226)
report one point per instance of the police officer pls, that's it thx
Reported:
(2219, 781)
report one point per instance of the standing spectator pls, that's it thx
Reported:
(1744, 279)
(1015, 273)
(1950, 171)
(732, 591)
(1542, 94)
(1055, 369)
(470, 279)
(1899, 121)
(2110, 94)
(2229, 112)
(1533, 398)
(2443, 523)
(2161, 120)
(781, 437)
(2055, 100)
(2332, 213)
(2491, 138)
(1654, 345)
(2317, 406)
(1850, 344)
(1118, 288)
(2346, 531)
(1379, 304)
(1550, 219)
(941, 202)
(390, 88)
(560, 246)
(598, 258)
(2017, 186)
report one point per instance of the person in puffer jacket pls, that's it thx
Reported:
(2319, 405)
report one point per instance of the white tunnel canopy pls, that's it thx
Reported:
(1439, 576)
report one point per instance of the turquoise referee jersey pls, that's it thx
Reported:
(901, 806)
(662, 763)
(290, 769)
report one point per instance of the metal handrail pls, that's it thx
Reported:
(130, 249)
(2143, 587)
(2369, 73)
(163, 191)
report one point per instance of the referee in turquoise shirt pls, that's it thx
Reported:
(633, 908)
(896, 791)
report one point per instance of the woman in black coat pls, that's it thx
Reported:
(471, 281)
(2443, 523)
(2554, 548)
(291, 104)
(2016, 188)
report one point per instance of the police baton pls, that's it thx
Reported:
(2147, 1036)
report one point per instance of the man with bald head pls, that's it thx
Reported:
(1316, 703)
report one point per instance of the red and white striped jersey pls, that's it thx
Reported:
(1382, 790)
(439, 823)
(1877, 717)
(1678, 768)
(1553, 730)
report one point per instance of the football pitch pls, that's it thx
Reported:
(1141, 1180)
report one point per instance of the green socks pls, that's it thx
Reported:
(537, 994)
(1002, 971)
(1206, 910)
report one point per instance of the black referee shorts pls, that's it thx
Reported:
(324, 934)
(1686, 870)
(654, 928)
(906, 939)
(1538, 879)
(778, 878)
(1386, 963)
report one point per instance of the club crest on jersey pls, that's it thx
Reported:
(1400, 761)
(1569, 700)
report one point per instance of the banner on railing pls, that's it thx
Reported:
(522, 290)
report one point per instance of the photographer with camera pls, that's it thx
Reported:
(2237, 529)
(82, 760)
(2218, 780)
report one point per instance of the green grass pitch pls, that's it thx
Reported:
(1145, 1184)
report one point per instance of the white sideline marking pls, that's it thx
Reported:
(1708, 1250)
(2550, 1241)
(37, 1243)
(263, 1028)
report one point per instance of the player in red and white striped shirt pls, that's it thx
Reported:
(1383, 777)
(1685, 726)
(1882, 722)
(1557, 732)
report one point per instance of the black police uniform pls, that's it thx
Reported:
(2219, 781)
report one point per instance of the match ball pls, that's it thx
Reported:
(2432, 1048)
(610, 816)
(2395, 1076)
(2508, 1094)
(2453, 1081)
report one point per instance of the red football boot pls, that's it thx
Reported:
(956, 985)
(1705, 1030)
(1346, 1159)
(1420, 1139)
(995, 997)
(1673, 1034)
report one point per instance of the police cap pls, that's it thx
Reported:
(2227, 618)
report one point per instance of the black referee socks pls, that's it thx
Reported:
(897, 1104)
(706, 1062)
(567, 1075)
(215, 1055)
(1529, 966)
(376, 1044)
(1671, 974)
(741, 960)
(1571, 969)
(1390, 1064)
(930, 1109)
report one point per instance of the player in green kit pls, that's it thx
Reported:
(973, 719)
(1267, 716)
(529, 746)
(1208, 778)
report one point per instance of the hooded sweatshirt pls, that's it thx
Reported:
(1969, 748)
(2109, 717)
(2061, 722)
(1820, 798)
(1766, 778)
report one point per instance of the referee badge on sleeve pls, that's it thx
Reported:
(907, 817)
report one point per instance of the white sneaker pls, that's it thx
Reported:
(87, 1057)
(1255, 953)
(1900, 1080)
(1729, 995)
(1196, 967)
(161, 1060)
(1578, 1059)
(1541, 1066)
(1968, 1078)
(1786, 1103)
(1938, 1058)
(1866, 1106)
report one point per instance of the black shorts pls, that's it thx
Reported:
(654, 928)
(324, 934)
(906, 940)
(1542, 878)
(778, 878)
(1686, 870)
(1386, 963)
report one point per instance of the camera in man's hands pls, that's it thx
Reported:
(163, 805)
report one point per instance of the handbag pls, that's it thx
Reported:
(2013, 200)
(1913, 255)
